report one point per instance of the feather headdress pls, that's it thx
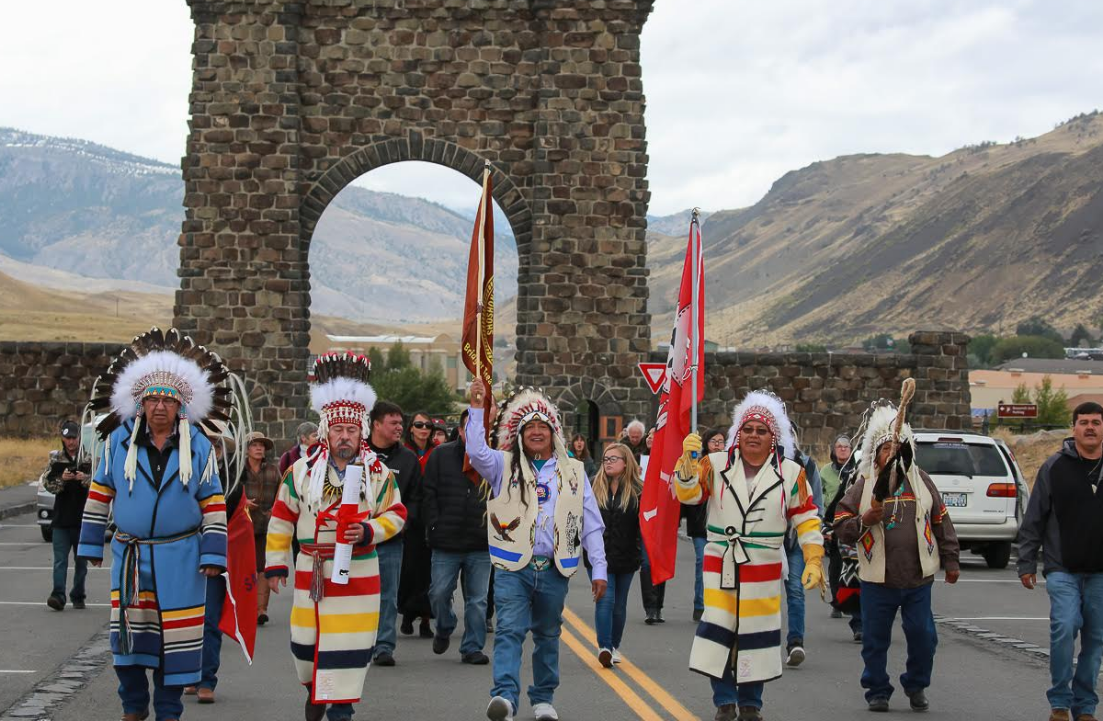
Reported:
(521, 408)
(164, 365)
(340, 393)
(882, 417)
(764, 407)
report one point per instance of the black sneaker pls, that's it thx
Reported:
(262, 619)
(424, 630)
(918, 700)
(651, 619)
(795, 653)
(659, 616)
(857, 637)
(440, 644)
(698, 613)
(407, 626)
(78, 603)
(476, 658)
(878, 705)
(56, 602)
(384, 659)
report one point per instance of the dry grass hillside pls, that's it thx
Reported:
(888, 243)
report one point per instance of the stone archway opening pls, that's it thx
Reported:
(388, 264)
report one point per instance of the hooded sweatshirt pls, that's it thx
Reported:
(1064, 516)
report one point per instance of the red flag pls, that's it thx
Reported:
(478, 307)
(239, 606)
(659, 507)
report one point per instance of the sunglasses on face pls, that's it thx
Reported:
(421, 424)
(612, 459)
(756, 431)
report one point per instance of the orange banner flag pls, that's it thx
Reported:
(478, 307)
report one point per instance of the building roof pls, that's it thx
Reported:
(389, 339)
(1053, 366)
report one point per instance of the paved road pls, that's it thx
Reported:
(974, 676)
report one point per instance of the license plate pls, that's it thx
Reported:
(955, 500)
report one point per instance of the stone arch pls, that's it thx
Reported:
(291, 101)
(414, 146)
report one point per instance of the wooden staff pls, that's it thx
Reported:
(907, 393)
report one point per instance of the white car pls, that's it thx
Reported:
(980, 485)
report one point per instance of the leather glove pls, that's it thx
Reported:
(813, 566)
(687, 465)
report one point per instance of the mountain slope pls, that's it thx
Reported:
(866, 244)
(74, 206)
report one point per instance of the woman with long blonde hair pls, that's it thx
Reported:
(617, 489)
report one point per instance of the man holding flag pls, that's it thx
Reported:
(659, 508)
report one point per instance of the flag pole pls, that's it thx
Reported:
(694, 225)
(482, 276)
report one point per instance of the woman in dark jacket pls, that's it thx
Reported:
(417, 559)
(579, 449)
(617, 488)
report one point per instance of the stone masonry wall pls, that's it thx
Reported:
(42, 384)
(826, 393)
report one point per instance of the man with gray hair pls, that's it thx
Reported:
(307, 436)
(634, 434)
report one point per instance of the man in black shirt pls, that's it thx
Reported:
(68, 480)
(1065, 518)
(386, 441)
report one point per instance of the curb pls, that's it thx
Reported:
(59, 687)
(995, 639)
(18, 509)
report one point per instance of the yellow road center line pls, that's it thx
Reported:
(620, 688)
(657, 692)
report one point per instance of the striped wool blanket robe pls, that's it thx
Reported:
(747, 523)
(332, 641)
(165, 532)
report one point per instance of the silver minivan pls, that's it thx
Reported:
(981, 487)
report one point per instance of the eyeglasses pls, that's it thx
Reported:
(160, 401)
(421, 424)
(755, 431)
(612, 459)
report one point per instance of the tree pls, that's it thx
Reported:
(378, 360)
(981, 347)
(1053, 405)
(413, 391)
(1036, 325)
(881, 341)
(398, 357)
(810, 348)
(1080, 333)
(1034, 346)
(1021, 394)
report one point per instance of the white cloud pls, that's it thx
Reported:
(739, 92)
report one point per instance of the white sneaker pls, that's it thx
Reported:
(500, 709)
(616, 655)
(545, 712)
(605, 657)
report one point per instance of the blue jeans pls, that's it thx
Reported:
(699, 579)
(528, 600)
(65, 542)
(611, 612)
(879, 607)
(1075, 606)
(446, 569)
(390, 573)
(339, 712)
(794, 594)
(725, 691)
(134, 692)
(212, 637)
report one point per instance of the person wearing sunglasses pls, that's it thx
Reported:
(413, 589)
(754, 495)
(617, 488)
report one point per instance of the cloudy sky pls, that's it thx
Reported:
(739, 91)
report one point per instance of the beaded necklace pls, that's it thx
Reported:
(895, 504)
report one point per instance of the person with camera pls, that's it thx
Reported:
(68, 480)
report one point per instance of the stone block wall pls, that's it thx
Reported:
(826, 393)
(42, 384)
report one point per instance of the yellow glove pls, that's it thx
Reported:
(813, 566)
(686, 467)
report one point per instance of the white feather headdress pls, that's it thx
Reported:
(523, 407)
(764, 406)
(882, 417)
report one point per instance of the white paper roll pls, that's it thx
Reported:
(342, 553)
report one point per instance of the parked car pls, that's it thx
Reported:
(982, 487)
(90, 444)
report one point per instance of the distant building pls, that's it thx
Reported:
(425, 351)
(1081, 381)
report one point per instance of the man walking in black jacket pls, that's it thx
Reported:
(68, 480)
(386, 441)
(1065, 518)
(454, 510)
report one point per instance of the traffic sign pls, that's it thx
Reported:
(654, 374)
(1017, 410)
